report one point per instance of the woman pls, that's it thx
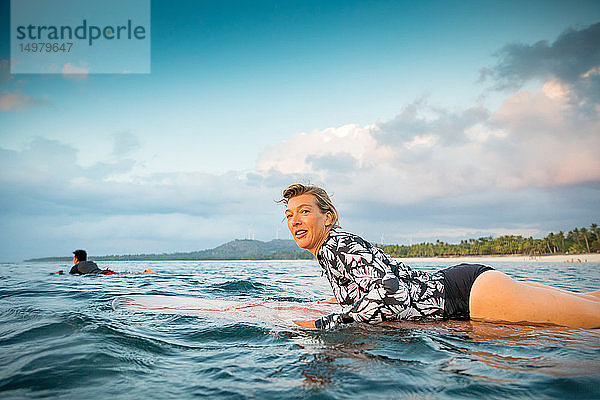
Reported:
(372, 287)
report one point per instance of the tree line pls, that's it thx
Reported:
(579, 240)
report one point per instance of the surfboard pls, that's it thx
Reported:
(269, 312)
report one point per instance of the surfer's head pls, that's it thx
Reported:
(310, 215)
(80, 255)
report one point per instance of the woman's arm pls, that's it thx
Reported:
(373, 307)
(355, 270)
(355, 274)
(332, 300)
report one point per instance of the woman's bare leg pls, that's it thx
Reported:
(496, 296)
(585, 295)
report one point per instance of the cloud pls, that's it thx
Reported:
(573, 59)
(339, 162)
(43, 235)
(353, 143)
(517, 164)
(125, 143)
(46, 176)
(71, 71)
(572, 55)
(14, 99)
(17, 101)
(43, 185)
(527, 166)
(543, 139)
(533, 140)
(419, 124)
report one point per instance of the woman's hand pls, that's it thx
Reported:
(332, 300)
(306, 324)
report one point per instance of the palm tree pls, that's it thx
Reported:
(576, 235)
(550, 241)
(584, 233)
(561, 241)
(594, 228)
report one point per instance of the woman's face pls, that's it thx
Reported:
(308, 225)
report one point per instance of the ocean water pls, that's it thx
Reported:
(61, 337)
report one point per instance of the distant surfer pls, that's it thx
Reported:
(82, 266)
(372, 287)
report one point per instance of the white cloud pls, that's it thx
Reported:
(555, 90)
(290, 156)
(591, 72)
(532, 140)
(481, 132)
(18, 101)
(421, 140)
(72, 71)
(551, 143)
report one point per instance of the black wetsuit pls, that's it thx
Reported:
(85, 268)
(372, 287)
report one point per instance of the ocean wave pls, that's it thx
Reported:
(239, 287)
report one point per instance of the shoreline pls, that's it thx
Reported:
(566, 258)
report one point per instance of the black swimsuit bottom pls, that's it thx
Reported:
(458, 281)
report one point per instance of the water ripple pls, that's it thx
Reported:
(60, 337)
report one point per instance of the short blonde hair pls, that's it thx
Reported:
(323, 201)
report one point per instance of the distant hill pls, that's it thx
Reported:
(239, 249)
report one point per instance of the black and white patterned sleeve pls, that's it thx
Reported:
(355, 274)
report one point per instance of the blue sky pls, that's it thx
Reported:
(425, 120)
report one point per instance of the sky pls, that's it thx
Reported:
(424, 121)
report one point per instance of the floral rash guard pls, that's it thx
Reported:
(372, 287)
